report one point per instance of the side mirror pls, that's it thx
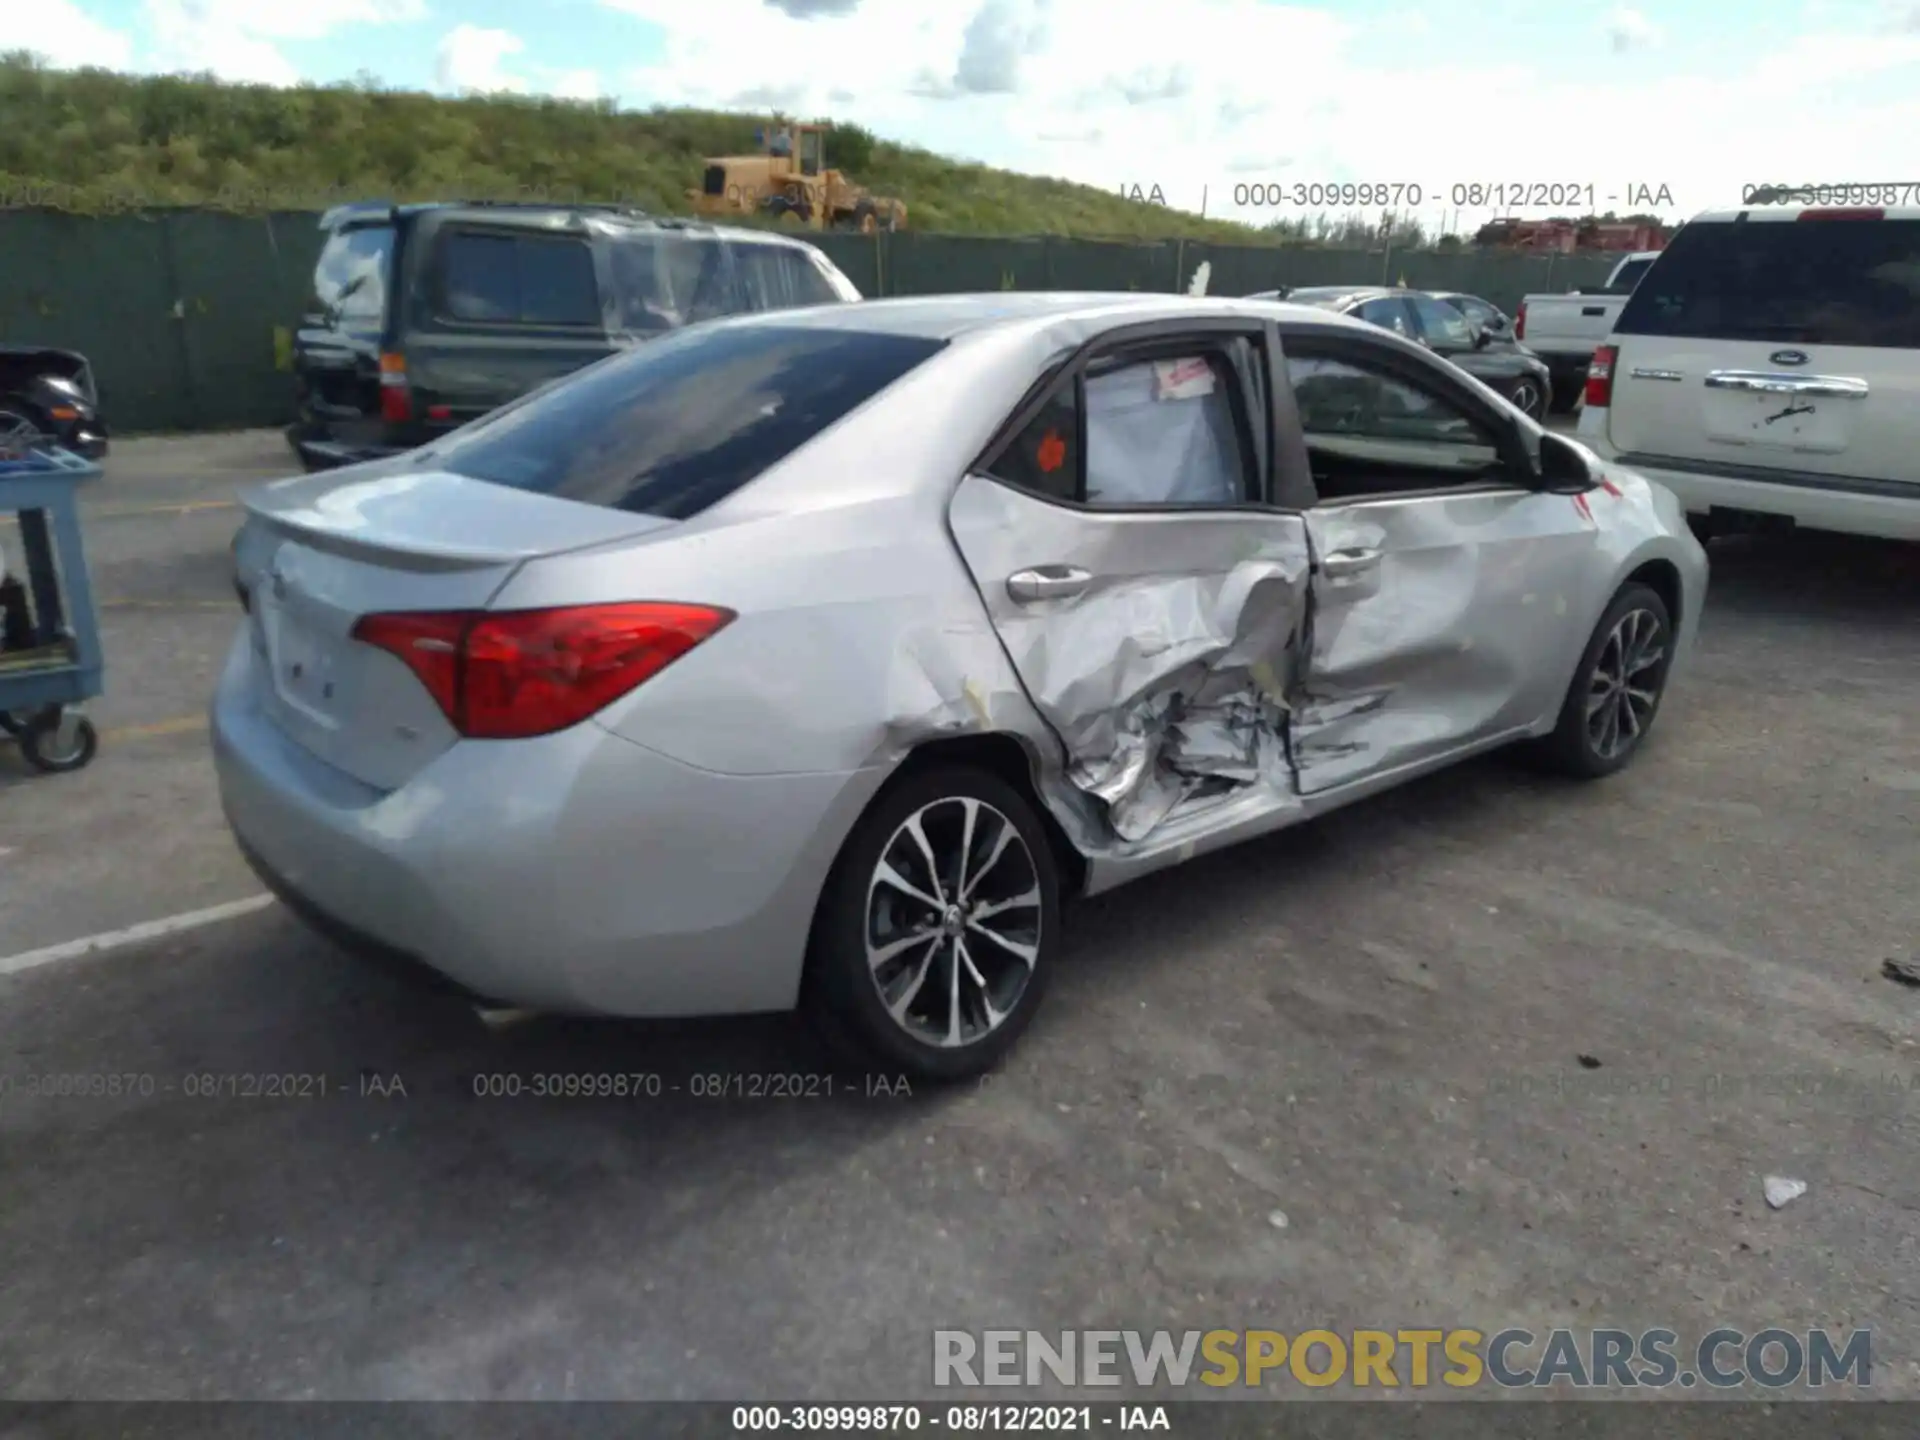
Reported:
(1482, 339)
(1564, 467)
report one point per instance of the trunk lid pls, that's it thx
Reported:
(319, 552)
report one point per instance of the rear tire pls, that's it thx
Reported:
(1617, 688)
(946, 887)
(1530, 397)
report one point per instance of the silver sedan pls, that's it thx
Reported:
(812, 659)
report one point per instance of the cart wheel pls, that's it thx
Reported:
(10, 723)
(47, 749)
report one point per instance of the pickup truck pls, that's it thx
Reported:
(1565, 330)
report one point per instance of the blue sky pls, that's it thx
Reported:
(1204, 98)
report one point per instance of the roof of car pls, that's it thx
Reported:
(945, 317)
(1837, 209)
(548, 216)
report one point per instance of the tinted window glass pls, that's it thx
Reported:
(1445, 327)
(1389, 314)
(1369, 432)
(518, 279)
(1045, 457)
(776, 278)
(1809, 282)
(350, 279)
(666, 281)
(671, 427)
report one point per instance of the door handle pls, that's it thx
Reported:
(1048, 582)
(1344, 564)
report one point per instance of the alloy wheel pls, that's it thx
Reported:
(1526, 398)
(1625, 687)
(953, 921)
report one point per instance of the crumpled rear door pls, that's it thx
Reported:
(1160, 646)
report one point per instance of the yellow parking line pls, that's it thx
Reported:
(181, 725)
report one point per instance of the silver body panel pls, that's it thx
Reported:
(666, 857)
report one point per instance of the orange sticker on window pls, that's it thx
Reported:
(1052, 453)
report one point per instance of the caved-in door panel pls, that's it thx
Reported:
(1438, 622)
(1159, 645)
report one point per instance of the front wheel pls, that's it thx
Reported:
(932, 946)
(1529, 396)
(1616, 690)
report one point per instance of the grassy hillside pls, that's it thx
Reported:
(92, 140)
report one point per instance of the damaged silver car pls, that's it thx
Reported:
(813, 658)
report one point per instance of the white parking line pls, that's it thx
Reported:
(132, 935)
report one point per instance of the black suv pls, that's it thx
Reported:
(425, 317)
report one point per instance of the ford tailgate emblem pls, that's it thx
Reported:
(1787, 357)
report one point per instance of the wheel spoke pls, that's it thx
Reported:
(961, 881)
(898, 1008)
(877, 958)
(1628, 722)
(1027, 953)
(919, 834)
(1643, 698)
(887, 875)
(1000, 843)
(1649, 656)
(1025, 900)
(953, 997)
(994, 1017)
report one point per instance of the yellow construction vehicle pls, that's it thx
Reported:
(789, 180)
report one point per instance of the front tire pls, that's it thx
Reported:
(1617, 688)
(1529, 396)
(935, 934)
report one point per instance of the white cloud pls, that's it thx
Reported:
(1628, 29)
(471, 58)
(68, 38)
(1217, 92)
(239, 39)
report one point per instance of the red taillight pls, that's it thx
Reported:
(512, 674)
(1520, 322)
(1599, 391)
(1863, 213)
(396, 401)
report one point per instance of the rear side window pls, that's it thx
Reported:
(671, 427)
(518, 279)
(350, 280)
(667, 280)
(1808, 282)
(776, 277)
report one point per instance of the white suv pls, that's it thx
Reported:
(1767, 371)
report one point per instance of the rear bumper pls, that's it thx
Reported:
(1886, 509)
(578, 872)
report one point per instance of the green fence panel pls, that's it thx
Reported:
(240, 284)
(922, 264)
(98, 285)
(1114, 265)
(858, 257)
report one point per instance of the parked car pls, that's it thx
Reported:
(1767, 370)
(424, 317)
(813, 659)
(1564, 330)
(50, 393)
(1510, 368)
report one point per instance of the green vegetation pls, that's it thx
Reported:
(96, 141)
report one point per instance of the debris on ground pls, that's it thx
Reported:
(1903, 972)
(1588, 1062)
(1278, 1219)
(1782, 1191)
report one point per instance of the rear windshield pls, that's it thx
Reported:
(1811, 282)
(679, 423)
(351, 278)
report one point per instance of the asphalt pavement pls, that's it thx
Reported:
(1490, 1051)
